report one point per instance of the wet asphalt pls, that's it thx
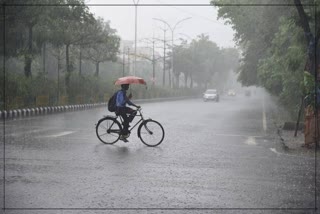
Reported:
(220, 157)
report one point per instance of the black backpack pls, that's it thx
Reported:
(112, 105)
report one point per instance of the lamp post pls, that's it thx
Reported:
(164, 55)
(135, 36)
(172, 35)
(164, 58)
(123, 61)
(153, 59)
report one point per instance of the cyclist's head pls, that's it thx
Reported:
(125, 86)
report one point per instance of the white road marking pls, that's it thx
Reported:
(59, 134)
(275, 151)
(27, 132)
(264, 119)
(251, 141)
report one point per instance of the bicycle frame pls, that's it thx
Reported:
(110, 124)
(137, 115)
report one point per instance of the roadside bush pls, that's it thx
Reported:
(22, 92)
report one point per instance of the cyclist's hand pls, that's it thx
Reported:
(138, 107)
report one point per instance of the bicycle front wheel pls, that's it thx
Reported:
(108, 130)
(151, 133)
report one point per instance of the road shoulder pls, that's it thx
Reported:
(287, 142)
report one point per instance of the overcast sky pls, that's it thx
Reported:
(204, 19)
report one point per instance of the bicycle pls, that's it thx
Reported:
(150, 132)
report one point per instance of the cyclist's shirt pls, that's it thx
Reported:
(121, 100)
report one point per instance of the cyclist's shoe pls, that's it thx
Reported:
(124, 138)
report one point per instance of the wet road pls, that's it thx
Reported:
(214, 155)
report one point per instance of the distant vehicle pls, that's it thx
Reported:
(231, 93)
(211, 94)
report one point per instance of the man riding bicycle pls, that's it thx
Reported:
(125, 112)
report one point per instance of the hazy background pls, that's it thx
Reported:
(204, 19)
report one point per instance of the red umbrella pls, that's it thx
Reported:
(130, 80)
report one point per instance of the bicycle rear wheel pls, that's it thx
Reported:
(151, 133)
(108, 130)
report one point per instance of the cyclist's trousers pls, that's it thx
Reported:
(127, 115)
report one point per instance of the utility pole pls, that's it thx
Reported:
(128, 60)
(135, 36)
(80, 60)
(164, 58)
(172, 41)
(152, 59)
(153, 63)
(123, 62)
(164, 55)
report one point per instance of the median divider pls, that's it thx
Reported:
(28, 112)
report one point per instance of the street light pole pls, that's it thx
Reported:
(164, 58)
(135, 36)
(172, 36)
(123, 62)
(172, 73)
(153, 59)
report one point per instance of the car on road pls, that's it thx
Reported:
(211, 94)
(231, 93)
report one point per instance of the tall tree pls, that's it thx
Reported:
(254, 28)
(311, 30)
(206, 59)
(202, 59)
(71, 30)
(25, 21)
(275, 41)
(183, 62)
(105, 46)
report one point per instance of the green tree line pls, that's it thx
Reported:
(58, 50)
(204, 63)
(36, 33)
(278, 40)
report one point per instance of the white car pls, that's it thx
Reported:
(231, 93)
(211, 94)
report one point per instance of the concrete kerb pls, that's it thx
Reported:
(28, 112)
(9, 114)
(37, 111)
